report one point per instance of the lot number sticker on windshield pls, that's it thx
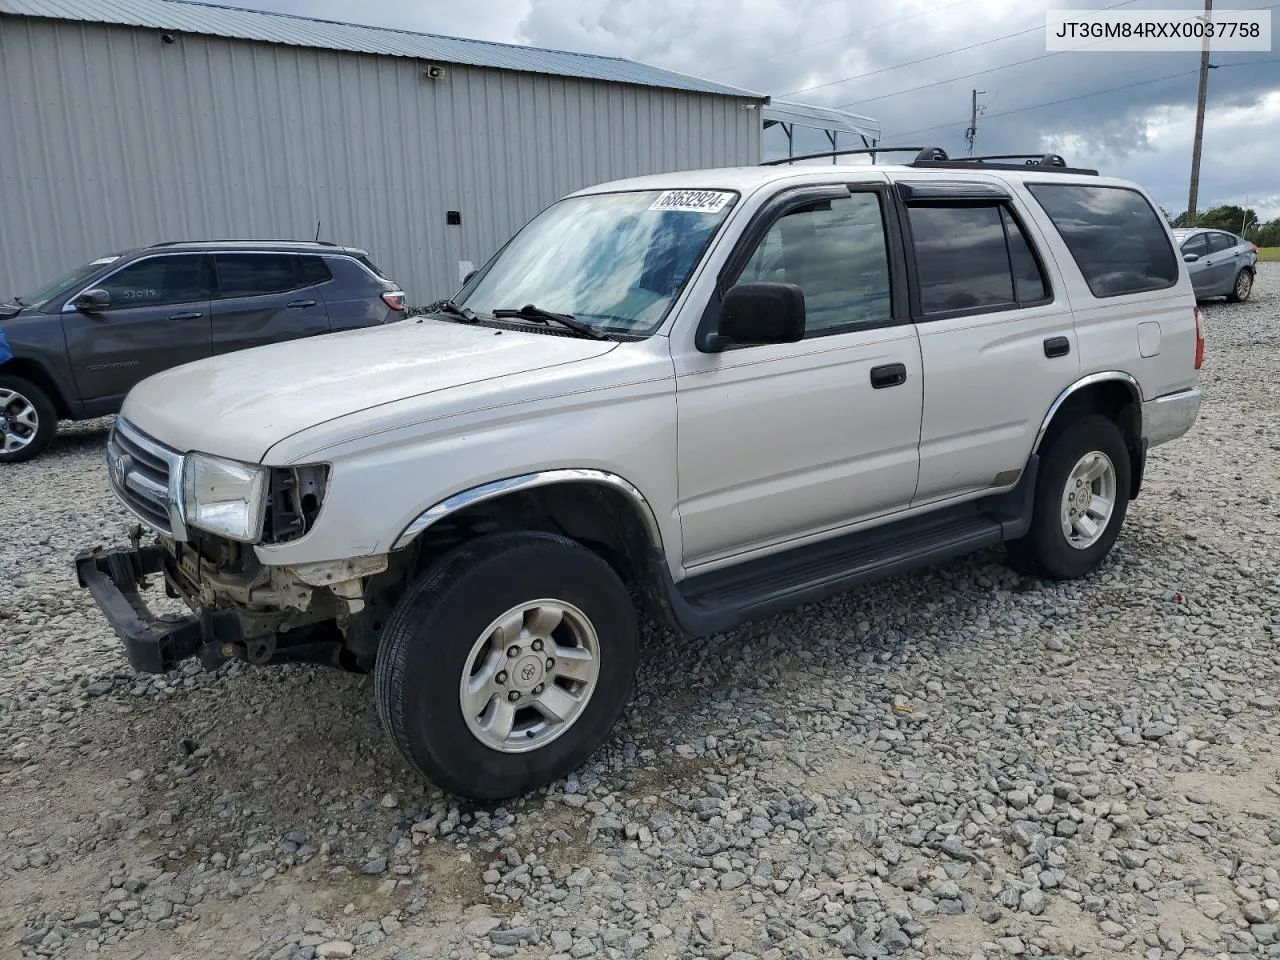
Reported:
(693, 201)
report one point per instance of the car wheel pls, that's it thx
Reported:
(506, 664)
(1082, 494)
(1244, 286)
(28, 420)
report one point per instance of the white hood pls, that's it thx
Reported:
(239, 405)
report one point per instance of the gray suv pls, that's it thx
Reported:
(72, 349)
(1221, 264)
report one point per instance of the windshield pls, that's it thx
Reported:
(616, 261)
(82, 272)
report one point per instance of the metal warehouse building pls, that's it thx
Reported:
(130, 122)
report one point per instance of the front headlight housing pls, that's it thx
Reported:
(225, 497)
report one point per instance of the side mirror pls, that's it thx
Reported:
(467, 278)
(92, 301)
(1191, 257)
(758, 313)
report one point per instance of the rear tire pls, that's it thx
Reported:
(28, 420)
(1243, 287)
(1086, 470)
(506, 665)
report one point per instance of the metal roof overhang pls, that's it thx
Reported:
(788, 114)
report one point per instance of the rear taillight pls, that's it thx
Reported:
(1199, 339)
(394, 300)
(1255, 247)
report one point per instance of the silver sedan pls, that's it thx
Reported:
(1221, 264)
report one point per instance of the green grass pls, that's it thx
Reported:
(1269, 253)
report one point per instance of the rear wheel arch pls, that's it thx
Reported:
(1113, 394)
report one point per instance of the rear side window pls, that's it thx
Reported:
(373, 268)
(972, 256)
(1119, 243)
(312, 270)
(256, 274)
(1221, 241)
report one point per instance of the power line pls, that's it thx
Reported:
(1003, 66)
(937, 56)
(856, 33)
(1085, 96)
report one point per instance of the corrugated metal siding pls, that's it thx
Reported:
(113, 139)
(215, 20)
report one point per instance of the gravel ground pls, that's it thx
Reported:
(959, 763)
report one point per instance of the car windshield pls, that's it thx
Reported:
(82, 272)
(616, 261)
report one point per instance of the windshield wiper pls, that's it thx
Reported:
(17, 301)
(466, 314)
(538, 315)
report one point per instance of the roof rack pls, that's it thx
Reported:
(1040, 161)
(919, 151)
(937, 158)
(174, 243)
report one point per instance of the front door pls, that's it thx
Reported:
(1200, 268)
(777, 442)
(263, 298)
(158, 318)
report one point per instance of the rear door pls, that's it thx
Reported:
(1223, 262)
(158, 318)
(997, 339)
(262, 298)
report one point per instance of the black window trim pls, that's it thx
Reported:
(1005, 203)
(773, 210)
(1178, 269)
(68, 302)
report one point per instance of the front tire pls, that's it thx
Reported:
(506, 665)
(1082, 495)
(28, 420)
(1243, 287)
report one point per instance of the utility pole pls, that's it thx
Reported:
(971, 134)
(1199, 138)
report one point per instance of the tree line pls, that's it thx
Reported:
(1239, 220)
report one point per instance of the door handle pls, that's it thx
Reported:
(1057, 347)
(193, 315)
(296, 304)
(889, 375)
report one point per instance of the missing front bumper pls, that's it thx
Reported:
(153, 644)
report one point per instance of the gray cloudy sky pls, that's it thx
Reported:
(861, 55)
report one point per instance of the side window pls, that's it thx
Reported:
(312, 270)
(157, 280)
(255, 274)
(1221, 241)
(835, 251)
(1197, 243)
(972, 256)
(1119, 243)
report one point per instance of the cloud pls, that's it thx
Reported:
(1128, 114)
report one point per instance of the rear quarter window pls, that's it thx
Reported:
(1116, 239)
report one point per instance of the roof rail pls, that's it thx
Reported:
(174, 243)
(1040, 161)
(922, 153)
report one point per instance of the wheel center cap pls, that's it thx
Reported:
(527, 672)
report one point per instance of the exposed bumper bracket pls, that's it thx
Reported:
(153, 644)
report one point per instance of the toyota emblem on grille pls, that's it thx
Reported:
(119, 465)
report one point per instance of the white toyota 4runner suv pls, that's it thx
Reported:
(703, 396)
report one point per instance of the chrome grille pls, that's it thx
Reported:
(146, 477)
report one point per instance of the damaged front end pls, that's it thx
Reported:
(241, 609)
